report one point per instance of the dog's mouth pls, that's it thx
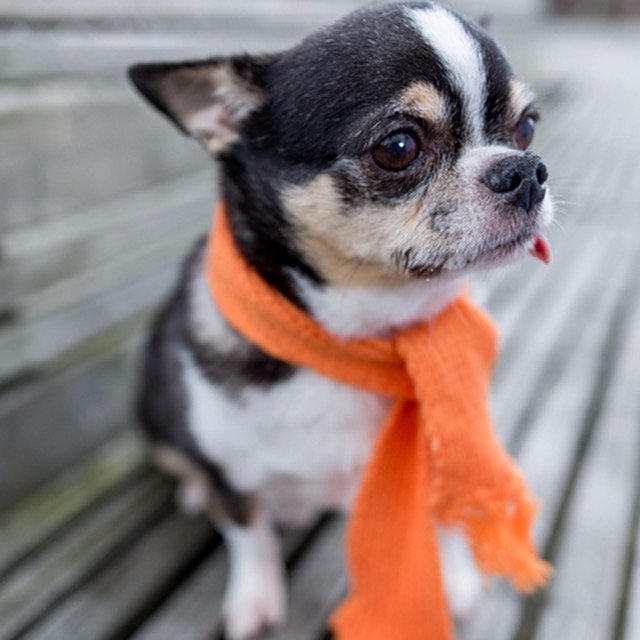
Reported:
(534, 243)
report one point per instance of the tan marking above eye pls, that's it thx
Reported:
(424, 100)
(520, 97)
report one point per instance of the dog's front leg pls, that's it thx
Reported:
(255, 597)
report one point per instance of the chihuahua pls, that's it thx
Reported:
(365, 173)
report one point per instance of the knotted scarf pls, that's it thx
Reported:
(436, 459)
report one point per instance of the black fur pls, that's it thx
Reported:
(261, 230)
(162, 402)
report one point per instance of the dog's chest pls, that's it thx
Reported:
(301, 443)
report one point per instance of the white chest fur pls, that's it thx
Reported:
(300, 444)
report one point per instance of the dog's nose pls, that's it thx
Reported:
(519, 180)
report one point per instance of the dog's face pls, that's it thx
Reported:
(393, 144)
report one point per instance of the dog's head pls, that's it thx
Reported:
(390, 145)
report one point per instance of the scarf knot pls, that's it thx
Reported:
(436, 459)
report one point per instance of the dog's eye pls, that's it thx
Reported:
(397, 151)
(525, 130)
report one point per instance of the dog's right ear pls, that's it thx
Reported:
(207, 99)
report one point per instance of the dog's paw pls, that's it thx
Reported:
(463, 581)
(251, 608)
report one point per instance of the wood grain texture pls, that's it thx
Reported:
(193, 611)
(31, 522)
(30, 345)
(111, 603)
(632, 614)
(548, 446)
(593, 554)
(56, 161)
(36, 585)
(46, 424)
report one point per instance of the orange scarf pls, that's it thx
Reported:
(436, 459)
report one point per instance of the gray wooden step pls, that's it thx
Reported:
(552, 449)
(48, 511)
(74, 267)
(110, 603)
(600, 520)
(54, 161)
(630, 626)
(46, 423)
(193, 609)
(29, 345)
(42, 580)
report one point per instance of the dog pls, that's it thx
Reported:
(366, 172)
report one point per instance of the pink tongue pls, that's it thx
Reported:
(541, 249)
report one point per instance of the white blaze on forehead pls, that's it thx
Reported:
(461, 55)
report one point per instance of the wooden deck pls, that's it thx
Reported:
(100, 198)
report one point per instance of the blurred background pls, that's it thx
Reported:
(99, 199)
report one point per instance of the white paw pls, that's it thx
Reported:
(253, 607)
(463, 581)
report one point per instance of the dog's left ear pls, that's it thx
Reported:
(207, 99)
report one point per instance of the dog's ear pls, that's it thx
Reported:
(206, 99)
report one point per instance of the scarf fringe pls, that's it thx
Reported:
(500, 539)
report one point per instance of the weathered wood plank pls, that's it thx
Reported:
(80, 52)
(632, 621)
(540, 334)
(551, 446)
(72, 158)
(497, 290)
(82, 10)
(110, 605)
(46, 424)
(606, 7)
(32, 521)
(193, 611)
(30, 345)
(549, 443)
(45, 578)
(135, 209)
(533, 295)
(97, 278)
(116, 268)
(8, 288)
(105, 234)
(583, 600)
